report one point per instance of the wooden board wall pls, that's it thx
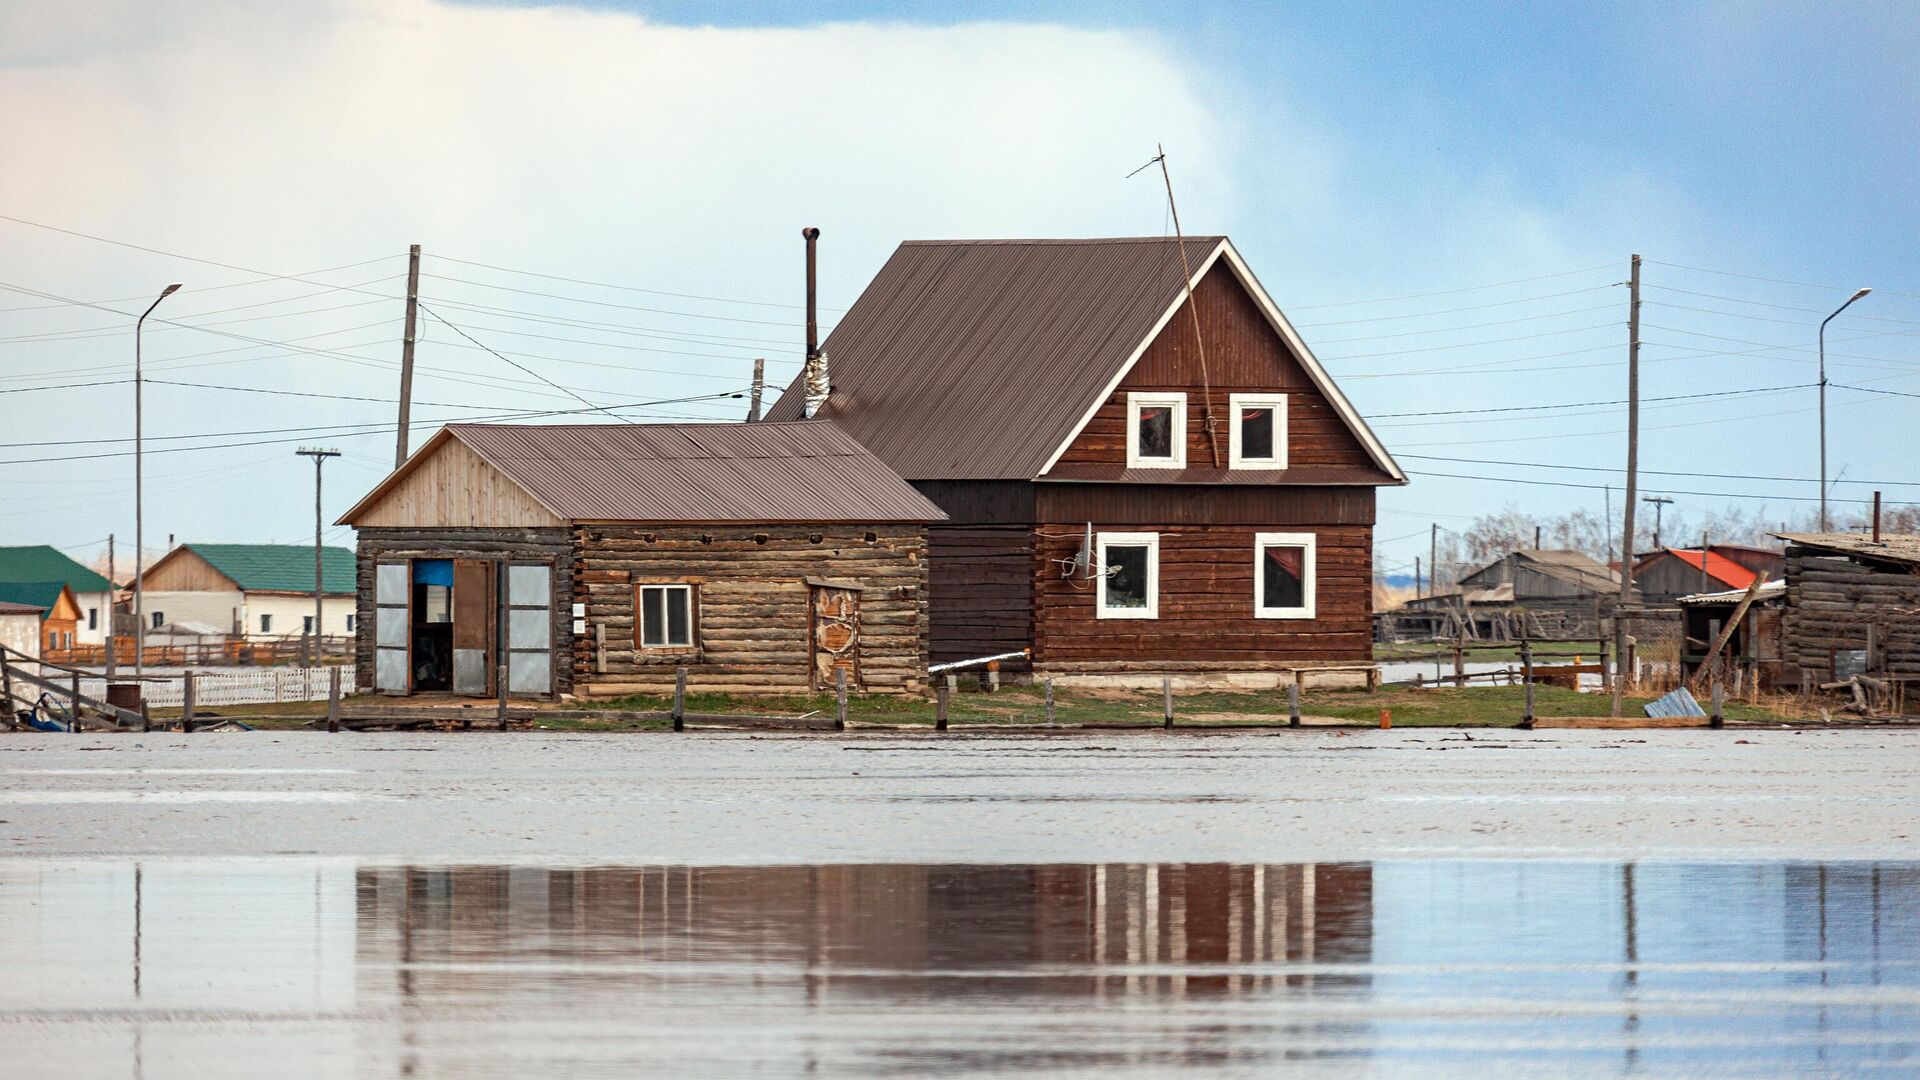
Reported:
(753, 620)
(1206, 601)
(980, 591)
(1244, 355)
(455, 488)
(183, 570)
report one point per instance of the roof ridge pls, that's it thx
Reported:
(1016, 240)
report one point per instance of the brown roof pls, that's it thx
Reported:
(728, 472)
(980, 359)
(1893, 547)
(1573, 567)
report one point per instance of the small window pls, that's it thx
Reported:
(93, 618)
(1129, 576)
(266, 624)
(306, 624)
(1259, 436)
(666, 616)
(1157, 431)
(349, 624)
(159, 619)
(53, 640)
(1283, 575)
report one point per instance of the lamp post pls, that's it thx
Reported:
(1823, 402)
(139, 505)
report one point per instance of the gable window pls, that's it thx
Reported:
(1259, 436)
(1157, 431)
(1283, 575)
(266, 624)
(1129, 576)
(666, 616)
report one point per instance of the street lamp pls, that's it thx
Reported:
(139, 516)
(1823, 402)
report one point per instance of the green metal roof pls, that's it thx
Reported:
(42, 563)
(280, 567)
(41, 594)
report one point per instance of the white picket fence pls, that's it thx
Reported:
(216, 687)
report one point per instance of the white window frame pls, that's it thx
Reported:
(1238, 403)
(1137, 400)
(1150, 541)
(1309, 576)
(640, 614)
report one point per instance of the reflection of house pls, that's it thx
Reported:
(59, 614)
(1674, 572)
(1754, 645)
(1556, 594)
(761, 557)
(1853, 606)
(255, 591)
(93, 596)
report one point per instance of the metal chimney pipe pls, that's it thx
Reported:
(813, 326)
(814, 376)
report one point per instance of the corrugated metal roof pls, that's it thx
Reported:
(1574, 568)
(764, 472)
(278, 567)
(42, 562)
(976, 359)
(1893, 547)
(1772, 590)
(13, 607)
(1680, 702)
(1718, 566)
(40, 595)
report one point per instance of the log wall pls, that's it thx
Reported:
(753, 617)
(551, 545)
(1833, 599)
(980, 591)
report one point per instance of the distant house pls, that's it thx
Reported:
(59, 614)
(597, 559)
(1669, 573)
(1853, 606)
(20, 630)
(92, 593)
(1128, 494)
(1556, 594)
(252, 591)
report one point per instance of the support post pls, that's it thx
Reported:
(1526, 677)
(146, 722)
(406, 354)
(1166, 696)
(75, 704)
(993, 676)
(679, 699)
(6, 686)
(1459, 660)
(1633, 471)
(1606, 673)
(333, 700)
(1049, 699)
(186, 700)
(1719, 691)
(501, 642)
(839, 699)
(941, 691)
(1293, 703)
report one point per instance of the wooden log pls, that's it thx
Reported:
(839, 699)
(941, 691)
(1049, 699)
(680, 698)
(1166, 696)
(74, 713)
(333, 700)
(1526, 675)
(1293, 703)
(186, 701)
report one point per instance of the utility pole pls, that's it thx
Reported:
(1633, 482)
(1823, 401)
(319, 458)
(1607, 525)
(1660, 502)
(406, 358)
(759, 386)
(114, 587)
(1433, 560)
(1416, 578)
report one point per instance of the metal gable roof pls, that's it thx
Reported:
(42, 562)
(1718, 566)
(278, 567)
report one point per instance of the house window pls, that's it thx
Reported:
(266, 624)
(1283, 575)
(53, 640)
(1129, 576)
(666, 616)
(159, 619)
(93, 618)
(1157, 431)
(306, 624)
(349, 624)
(1259, 436)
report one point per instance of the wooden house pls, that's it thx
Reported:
(1752, 652)
(59, 614)
(92, 593)
(1555, 594)
(1853, 607)
(597, 559)
(1135, 484)
(254, 592)
(1665, 575)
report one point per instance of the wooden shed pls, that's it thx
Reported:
(1556, 594)
(1145, 470)
(1665, 575)
(1853, 607)
(596, 559)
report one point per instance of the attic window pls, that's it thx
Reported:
(1259, 436)
(1157, 431)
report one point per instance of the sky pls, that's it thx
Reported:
(1444, 200)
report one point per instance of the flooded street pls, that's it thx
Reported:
(1419, 903)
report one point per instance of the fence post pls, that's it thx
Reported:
(186, 702)
(76, 703)
(1606, 673)
(1049, 699)
(993, 676)
(1717, 720)
(333, 699)
(1293, 703)
(680, 699)
(1166, 696)
(1459, 661)
(6, 686)
(1633, 664)
(1526, 676)
(146, 722)
(940, 691)
(839, 699)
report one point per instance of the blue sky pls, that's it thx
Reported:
(1494, 169)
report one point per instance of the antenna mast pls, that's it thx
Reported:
(1186, 276)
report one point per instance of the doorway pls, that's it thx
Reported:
(835, 636)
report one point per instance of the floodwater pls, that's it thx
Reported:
(325, 967)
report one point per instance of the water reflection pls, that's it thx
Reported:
(215, 969)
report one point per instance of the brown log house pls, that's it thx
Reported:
(1130, 490)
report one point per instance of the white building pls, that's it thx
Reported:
(253, 591)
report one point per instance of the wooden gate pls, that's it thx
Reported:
(834, 632)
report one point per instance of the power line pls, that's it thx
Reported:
(212, 288)
(1453, 311)
(1650, 472)
(1870, 390)
(1599, 487)
(626, 288)
(517, 364)
(1469, 326)
(1772, 280)
(609, 303)
(1587, 404)
(1477, 344)
(1449, 292)
(1776, 307)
